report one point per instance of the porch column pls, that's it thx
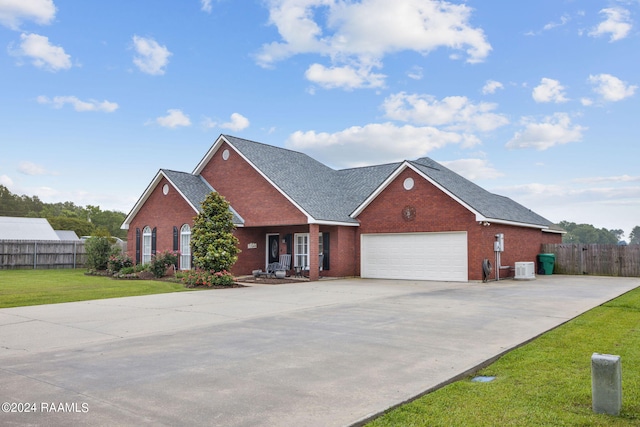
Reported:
(314, 243)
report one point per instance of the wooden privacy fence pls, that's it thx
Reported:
(597, 260)
(42, 254)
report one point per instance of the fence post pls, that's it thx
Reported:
(35, 255)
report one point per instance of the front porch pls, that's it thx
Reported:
(310, 246)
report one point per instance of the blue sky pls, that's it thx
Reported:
(537, 101)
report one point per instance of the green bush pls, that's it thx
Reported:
(161, 261)
(204, 278)
(98, 251)
(127, 270)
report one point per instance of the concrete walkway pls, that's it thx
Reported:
(326, 353)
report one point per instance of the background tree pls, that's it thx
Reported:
(63, 215)
(213, 244)
(588, 234)
(81, 226)
(634, 237)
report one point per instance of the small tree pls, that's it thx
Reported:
(212, 241)
(98, 251)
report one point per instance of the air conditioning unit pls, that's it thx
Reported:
(525, 271)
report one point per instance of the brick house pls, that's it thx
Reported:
(412, 220)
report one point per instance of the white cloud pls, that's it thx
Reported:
(453, 112)
(206, 5)
(473, 169)
(6, 181)
(343, 77)
(491, 86)
(360, 34)
(238, 122)
(553, 130)
(587, 102)
(78, 105)
(609, 206)
(416, 73)
(551, 25)
(32, 169)
(611, 88)
(617, 24)
(42, 53)
(151, 57)
(13, 12)
(374, 143)
(616, 179)
(549, 90)
(174, 118)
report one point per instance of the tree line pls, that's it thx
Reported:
(85, 221)
(588, 234)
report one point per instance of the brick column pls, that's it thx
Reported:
(314, 267)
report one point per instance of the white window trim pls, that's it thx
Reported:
(146, 245)
(304, 256)
(185, 247)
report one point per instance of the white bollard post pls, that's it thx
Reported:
(606, 384)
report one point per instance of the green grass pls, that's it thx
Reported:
(544, 383)
(34, 287)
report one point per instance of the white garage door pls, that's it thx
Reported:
(415, 256)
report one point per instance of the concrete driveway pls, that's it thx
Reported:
(328, 353)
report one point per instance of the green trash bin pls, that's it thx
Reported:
(546, 263)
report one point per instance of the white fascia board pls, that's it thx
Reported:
(394, 175)
(215, 148)
(141, 201)
(195, 208)
(327, 222)
(513, 223)
(207, 157)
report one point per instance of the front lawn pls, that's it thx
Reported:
(544, 383)
(35, 287)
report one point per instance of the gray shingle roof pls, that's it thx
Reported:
(195, 189)
(333, 195)
(487, 204)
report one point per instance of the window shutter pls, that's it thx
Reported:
(326, 245)
(154, 234)
(176, 236)
(138, 238)
(288, 238)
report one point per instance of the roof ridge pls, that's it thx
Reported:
(271, 146)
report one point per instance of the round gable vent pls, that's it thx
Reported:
(165, 189)
(408, 184)
(225, 155)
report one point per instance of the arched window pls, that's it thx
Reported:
(146, 245)
(185, 247)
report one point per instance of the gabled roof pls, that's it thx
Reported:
(67, 235)
(13, 228)
(326, 195)
(193, 188)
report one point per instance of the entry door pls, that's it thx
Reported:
(273, 248)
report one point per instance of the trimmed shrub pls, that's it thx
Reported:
(161, 261)
(204, 278)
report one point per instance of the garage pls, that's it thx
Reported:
(415, 256)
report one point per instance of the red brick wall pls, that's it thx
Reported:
(255, 200)
(437, 212)
(162, 212)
